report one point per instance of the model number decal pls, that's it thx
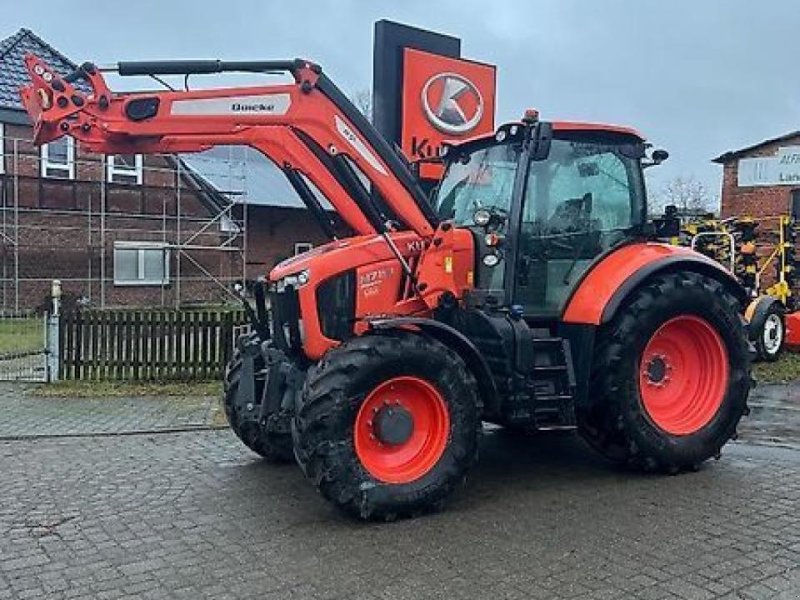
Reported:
(374, 278)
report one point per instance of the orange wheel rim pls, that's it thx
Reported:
(402, 430)
(683, 375)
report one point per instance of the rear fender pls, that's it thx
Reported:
(456, 340)
(605, 286)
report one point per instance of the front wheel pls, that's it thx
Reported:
(388, 425)
(671, 375)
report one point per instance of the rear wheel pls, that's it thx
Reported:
(671, 375)
(388, 425)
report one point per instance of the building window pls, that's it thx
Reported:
(2, 149)
(141, 263)
(125, 168)
(300, 247)
(58, 159)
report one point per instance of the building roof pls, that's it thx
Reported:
(243, 174)
(734, 154)
(13, 74)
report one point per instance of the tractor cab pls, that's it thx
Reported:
(543, 200)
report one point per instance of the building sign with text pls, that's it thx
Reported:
(781, 169)
(443, 99)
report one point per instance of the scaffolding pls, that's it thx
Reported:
(85, 220)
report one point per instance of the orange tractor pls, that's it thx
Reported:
(526, 292)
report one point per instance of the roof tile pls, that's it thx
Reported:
(13, 74)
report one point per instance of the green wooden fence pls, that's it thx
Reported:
(147, 345)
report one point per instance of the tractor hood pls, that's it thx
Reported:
(341, 255)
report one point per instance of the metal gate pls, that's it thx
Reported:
(23, 346)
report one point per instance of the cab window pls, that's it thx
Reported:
(483, 178)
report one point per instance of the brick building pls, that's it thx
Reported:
(762, 180)
(277, 223)
(128, 230)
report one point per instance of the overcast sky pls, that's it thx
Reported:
(696, 77)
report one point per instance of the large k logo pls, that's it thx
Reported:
(452, 103)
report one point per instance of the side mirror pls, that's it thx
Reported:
(659, 156)
(656, 158)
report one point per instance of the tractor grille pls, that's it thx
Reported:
(285, 319)
(336, 306)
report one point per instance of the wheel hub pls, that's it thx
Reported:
(393, 425)
(773, 333)
(657, 369)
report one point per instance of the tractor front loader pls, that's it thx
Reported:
(527, 292)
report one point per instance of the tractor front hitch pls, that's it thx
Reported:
(259, 317)
(282, 382)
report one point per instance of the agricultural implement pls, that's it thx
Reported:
(527, 292)
(767, 269)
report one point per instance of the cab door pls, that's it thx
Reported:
(586, 197)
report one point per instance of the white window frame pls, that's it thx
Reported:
(112, 170)
(300, 247)
(68, 168)
(141, 247)
(2, 148)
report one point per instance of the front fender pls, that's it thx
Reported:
(609, 281)
(456, 340)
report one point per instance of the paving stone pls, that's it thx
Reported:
(196, 515)
(30, 416)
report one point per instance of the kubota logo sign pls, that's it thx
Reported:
(452, 103)
(443, 99)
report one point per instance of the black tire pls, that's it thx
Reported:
(273, 446)
(770, 339)
(335, 389)
(617, 423)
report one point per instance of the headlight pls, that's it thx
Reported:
(295, 280)
(481, 217)
(491, 260)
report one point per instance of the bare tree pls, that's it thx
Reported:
(363, 101)
(686, 193)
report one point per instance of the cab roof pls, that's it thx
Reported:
(560, 126)
(584, 126)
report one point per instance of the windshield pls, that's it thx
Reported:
(585, 176)
(481, 179)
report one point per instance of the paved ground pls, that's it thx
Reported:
(775, 416)
(194, 514)
(25, 415)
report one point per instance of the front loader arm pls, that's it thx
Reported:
(292, 124)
